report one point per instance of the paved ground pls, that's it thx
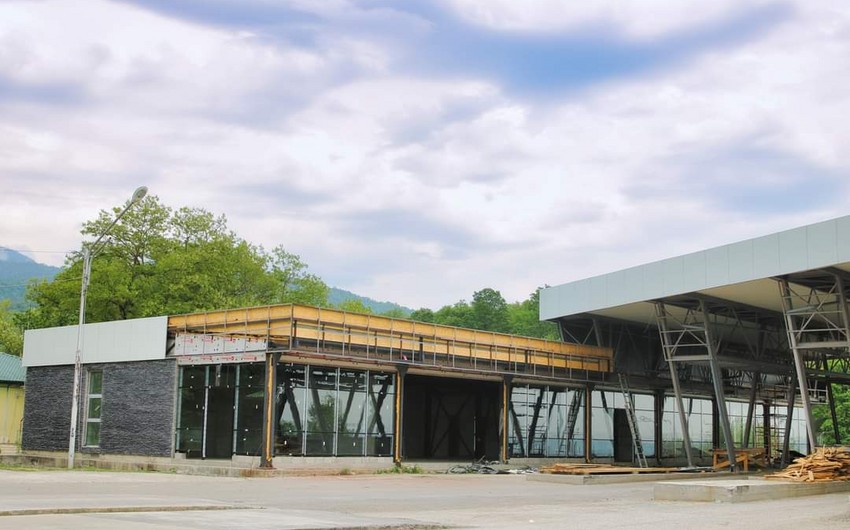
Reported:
(166, 501)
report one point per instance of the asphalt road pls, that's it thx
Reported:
(149, 501)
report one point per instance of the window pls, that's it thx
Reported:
(94, 400)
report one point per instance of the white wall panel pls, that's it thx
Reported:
(141, 339)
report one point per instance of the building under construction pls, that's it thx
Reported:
(669, 362)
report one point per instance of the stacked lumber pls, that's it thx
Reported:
(826, 464)
(601, 469)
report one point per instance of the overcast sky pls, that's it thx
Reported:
(418, 151)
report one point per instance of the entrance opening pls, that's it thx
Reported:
(622, 437)
(450, 419)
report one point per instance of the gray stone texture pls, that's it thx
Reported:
(138, 408)
(137, 416)
(47, 408)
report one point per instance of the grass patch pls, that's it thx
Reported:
(401, 469)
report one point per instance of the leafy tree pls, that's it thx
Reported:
(423, 315)
(490, 311)
(354, 306)
(395, 312)
(459, 314)
(524, 319)
(822, 416)
(157, 261)
(11, 334)
(294, 283)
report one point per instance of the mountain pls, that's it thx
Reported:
(337, 296)
(15, 271)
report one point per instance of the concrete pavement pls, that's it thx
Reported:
(378, 501)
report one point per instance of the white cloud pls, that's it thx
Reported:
(413, 188)
(634, 19)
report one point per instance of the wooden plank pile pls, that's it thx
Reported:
(826, 464)
(601, 469)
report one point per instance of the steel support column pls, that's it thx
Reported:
(717, 381)
(270, 387)
(799, 365)
(399, 401)
(752, 404)
(658, 424)
(588, 423)
(503, 418)
(669, 352)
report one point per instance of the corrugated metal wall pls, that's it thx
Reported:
(11, 413)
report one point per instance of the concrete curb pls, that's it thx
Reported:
(123, 509)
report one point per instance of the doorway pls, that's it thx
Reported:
(450, 419)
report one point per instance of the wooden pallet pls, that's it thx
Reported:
(602, 469)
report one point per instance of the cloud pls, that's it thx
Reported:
(420, 151)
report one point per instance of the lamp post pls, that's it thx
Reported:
(88, 253)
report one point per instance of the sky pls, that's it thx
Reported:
(419, 151)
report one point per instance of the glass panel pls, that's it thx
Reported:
(94, 408)
(189, 438)
(381, 408)
(95, 382)
(249, 419)
(602, 424)
(556, 424)
(289, 402)
(93, 433)
(352, 413)
(321, 411)
(575, 412)
(536, 409)
(518, 421)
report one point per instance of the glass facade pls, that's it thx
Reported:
(326, 411)
(609, 425)
(700, 418)
(331, 411)
(220, 410)
(545, 421)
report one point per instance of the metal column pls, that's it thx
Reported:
(588, 423)
(717, 381)
(399, 401)
(669, 352)
(270, 387)
(793, 335)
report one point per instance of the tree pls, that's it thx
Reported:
(294, 283)
(158, 261)
(353, 305)
(524, 319)
(11, 334)
(423, 315)
(822, 416)
(490, 311)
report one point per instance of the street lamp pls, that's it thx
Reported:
(88, 253)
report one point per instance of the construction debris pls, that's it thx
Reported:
(826, 464)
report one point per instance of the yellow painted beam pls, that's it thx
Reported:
(365, 331)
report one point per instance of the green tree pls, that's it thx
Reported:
(11, 333)
(293, 283)
(395, 312)
(524, 319)
(822, 416)
(459, 314)
(423, 315)
(490, 311)
(158, 261)
(353, 305)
